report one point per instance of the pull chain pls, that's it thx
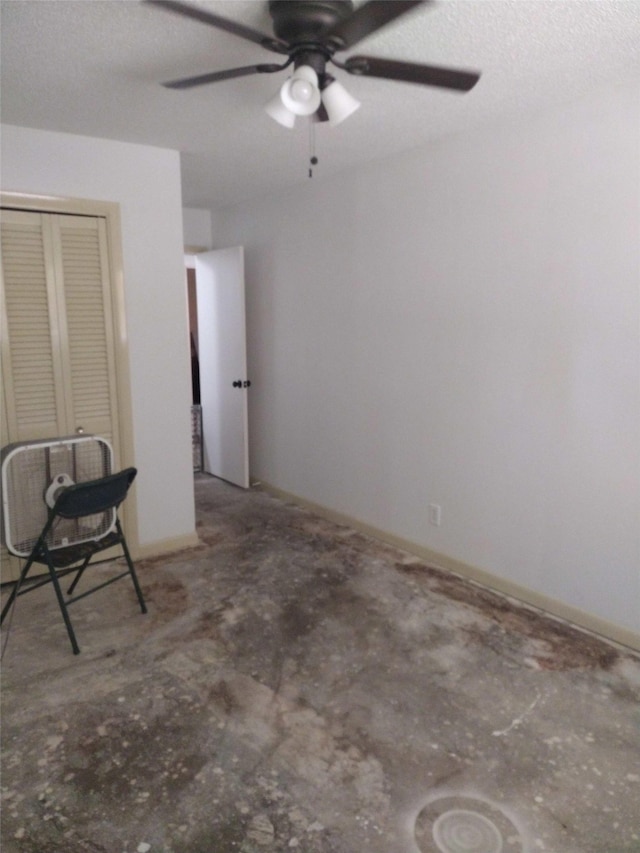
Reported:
(313, 160)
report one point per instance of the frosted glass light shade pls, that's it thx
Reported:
(277, 110)
(300, 93)
(338, 103)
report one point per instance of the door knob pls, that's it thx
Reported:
(247, 383)
(237, 383)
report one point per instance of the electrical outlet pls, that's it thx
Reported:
(435, 514)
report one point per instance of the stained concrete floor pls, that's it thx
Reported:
(299, 687)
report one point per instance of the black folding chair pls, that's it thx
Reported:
(87, 505)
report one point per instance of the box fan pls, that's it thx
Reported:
(34, 472)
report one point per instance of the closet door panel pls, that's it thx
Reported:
(34, 393)
(89, 361)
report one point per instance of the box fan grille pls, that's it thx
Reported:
(33, 473)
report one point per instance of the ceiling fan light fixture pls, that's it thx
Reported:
(278, 112)
(308, 33)
(300, 93)
(338, 103)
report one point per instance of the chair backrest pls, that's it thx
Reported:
(94, 496)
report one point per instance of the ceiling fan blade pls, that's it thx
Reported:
(229, 74)
(411, 72)
(366, 19)
(237, 29)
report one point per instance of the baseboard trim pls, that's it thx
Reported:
(166, 546)
(550, 606)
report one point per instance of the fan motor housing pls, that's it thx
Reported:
(298, 21)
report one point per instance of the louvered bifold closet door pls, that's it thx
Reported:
(58, 363)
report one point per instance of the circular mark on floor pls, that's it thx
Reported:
(463, 824)
(462, 831)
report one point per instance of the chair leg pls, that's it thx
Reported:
(41, 550)
(63, 609)
(79, 574)
(132, 571)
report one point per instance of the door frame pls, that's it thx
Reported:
(110, 212)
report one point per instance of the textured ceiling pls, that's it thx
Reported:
(93, 67)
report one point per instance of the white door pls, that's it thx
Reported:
(222, 354)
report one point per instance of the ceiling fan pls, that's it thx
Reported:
(309, 33)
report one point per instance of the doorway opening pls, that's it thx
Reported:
(196, 407)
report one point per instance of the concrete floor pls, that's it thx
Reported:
(296, 686)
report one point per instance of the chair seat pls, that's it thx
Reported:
(63, 557)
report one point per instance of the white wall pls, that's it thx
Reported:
(145, 182)
(460, 325)
(197, 225)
